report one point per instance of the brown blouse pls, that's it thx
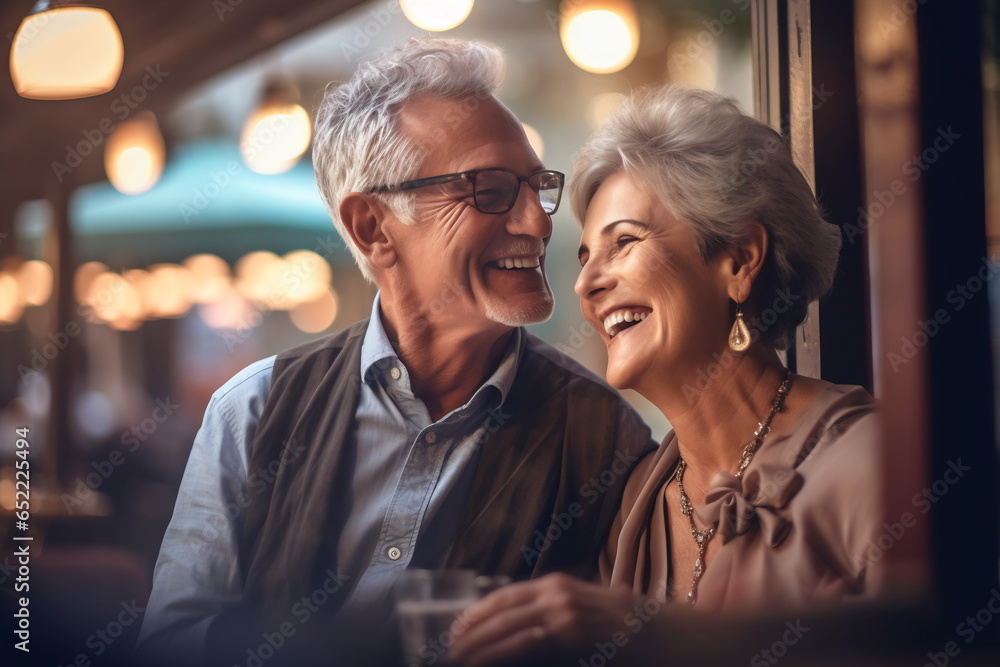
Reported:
(797, 528)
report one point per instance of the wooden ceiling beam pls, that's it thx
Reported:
(170, 48)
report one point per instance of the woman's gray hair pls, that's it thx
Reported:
(358, 145)
(716, 169)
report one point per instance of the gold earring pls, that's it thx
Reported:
(739, 335)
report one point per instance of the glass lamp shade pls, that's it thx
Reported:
(66, 52)
(600, 36)
(277, 133)
(135, 154)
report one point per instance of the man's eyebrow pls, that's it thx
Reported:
(608, 230)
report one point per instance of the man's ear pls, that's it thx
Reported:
(363, 217)
(746, 261)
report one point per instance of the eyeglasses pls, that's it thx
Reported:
(494, 190)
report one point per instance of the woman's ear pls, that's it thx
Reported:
(747, 261)
(364, 218)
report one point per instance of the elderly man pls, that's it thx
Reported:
(436, 434)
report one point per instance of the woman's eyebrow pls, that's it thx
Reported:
(607, 231)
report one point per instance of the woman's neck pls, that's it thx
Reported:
(715, 417)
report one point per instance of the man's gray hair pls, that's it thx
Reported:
(716, 169)
(358, 145)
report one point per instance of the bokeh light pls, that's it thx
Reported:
(535, 139)
(275, 137)
(600, 107)
(316, 316)
(600, 37)
(35, 278)
(85, 274)
(175, 285)
(135, 154)
(212, 277)
(11, 299)
(436, 15)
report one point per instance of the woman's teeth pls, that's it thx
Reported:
(622, 317)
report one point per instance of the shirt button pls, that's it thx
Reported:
(394, 553)
(395, 373)
(430, 437)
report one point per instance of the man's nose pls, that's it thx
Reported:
(528, 217)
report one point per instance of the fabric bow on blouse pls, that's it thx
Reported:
(734, 503)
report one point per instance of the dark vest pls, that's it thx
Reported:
(538, 502)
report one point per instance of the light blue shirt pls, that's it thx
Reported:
(410, 484)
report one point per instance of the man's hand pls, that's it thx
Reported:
(555, 616)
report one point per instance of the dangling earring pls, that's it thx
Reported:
(739, 335)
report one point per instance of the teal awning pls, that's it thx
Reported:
(206, 201)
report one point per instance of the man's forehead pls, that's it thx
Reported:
(467, 132)
(426, 113)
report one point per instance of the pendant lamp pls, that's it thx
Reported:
(64, 51)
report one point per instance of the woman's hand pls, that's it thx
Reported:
(555, 615)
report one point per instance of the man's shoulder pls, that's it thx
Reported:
(563, 368)
(252, 380)
(324, 345)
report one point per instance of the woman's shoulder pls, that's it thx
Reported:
(649, 474)
(819, 399)
(826, 416)
(835, 447)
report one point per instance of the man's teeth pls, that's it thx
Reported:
(622, 316)
(517, 263)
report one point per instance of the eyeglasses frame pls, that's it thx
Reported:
(470, 176)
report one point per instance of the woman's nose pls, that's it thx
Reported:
(592, 279)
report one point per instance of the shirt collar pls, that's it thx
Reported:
(376, 348)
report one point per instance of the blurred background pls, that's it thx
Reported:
(158, 237)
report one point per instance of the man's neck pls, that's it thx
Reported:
(447, 363)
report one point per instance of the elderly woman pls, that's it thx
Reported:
(702, 247)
